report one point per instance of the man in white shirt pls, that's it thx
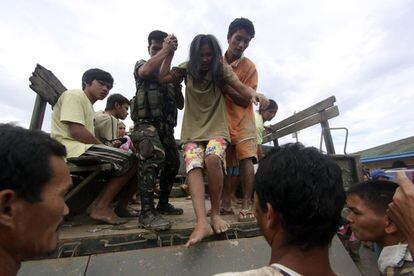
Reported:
(368, 202)
(298, 201)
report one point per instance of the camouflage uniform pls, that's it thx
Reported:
(153, 137)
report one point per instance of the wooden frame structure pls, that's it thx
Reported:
(318, 113)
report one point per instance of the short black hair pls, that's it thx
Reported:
(25, 160)
(156, 35)
(115, 98)
(96, 74)
(241, 23)
(377, 194)
(271, 106)
(305, 188)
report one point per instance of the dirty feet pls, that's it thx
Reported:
(106, 216)
(219, 225)
(201, 231)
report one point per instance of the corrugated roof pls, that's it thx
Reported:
(397, 147)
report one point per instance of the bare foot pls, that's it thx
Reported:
(219, 225)
(106, 216)
(201, 231)
(235, 200)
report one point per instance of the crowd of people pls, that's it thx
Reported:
(297, 191)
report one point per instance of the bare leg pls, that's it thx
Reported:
(128, 191)
(202, 228)
(215, 182)
(234, 183)
(226, 196)
(247, 179)
(101, 207)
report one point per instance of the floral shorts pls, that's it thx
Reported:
(196, 152)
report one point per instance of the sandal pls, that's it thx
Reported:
(246, 215)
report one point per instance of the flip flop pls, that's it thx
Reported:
(246, 215)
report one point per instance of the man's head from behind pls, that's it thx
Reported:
(118, 105)
(299, 197)
(240, 32)
(33, 181)
(155, 41)
(368, 202)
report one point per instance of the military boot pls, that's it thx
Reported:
(149, 218)
(166, 208)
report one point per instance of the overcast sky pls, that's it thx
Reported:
(362, 52)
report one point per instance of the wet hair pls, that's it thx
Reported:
(241, 23)
(96, 74)
(194, 63)
(376, 194)
(156, 35)
(115, 99)
(305, 188)
(25, 160)
(271, 106)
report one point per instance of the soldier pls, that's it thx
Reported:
(154, 112)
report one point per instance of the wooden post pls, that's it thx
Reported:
(275, 143)
(327, 137)
(38, 113)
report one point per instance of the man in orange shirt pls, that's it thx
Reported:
(242, 152)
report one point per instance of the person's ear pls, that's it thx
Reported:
(273, 218)
(7, 197)
(390, 227)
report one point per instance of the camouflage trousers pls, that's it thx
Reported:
(156, 151)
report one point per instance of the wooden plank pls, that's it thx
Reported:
(38, 113)
(318, 107)
(310, 121)
(46, 84)
(330, 148)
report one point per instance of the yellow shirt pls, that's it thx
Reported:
(259, 127)
(106, 127)
(72, 106)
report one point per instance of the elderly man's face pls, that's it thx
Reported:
(36, 225)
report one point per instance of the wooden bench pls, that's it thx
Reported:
(84, 170)
(318, 113)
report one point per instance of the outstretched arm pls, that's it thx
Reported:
(242, 91)
(164, 75)
(236, 97)
(151, 67)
